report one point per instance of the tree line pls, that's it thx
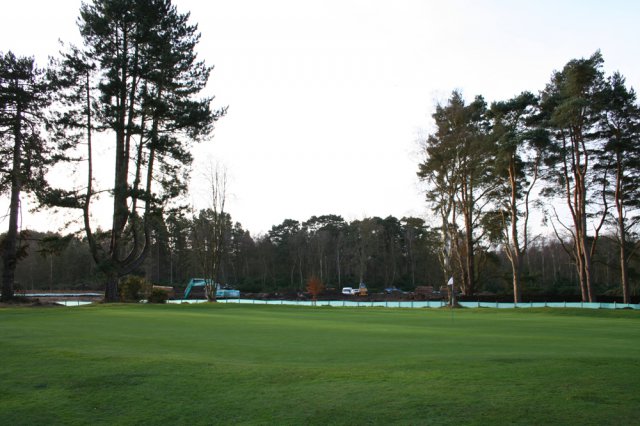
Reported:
(135, 84)
(572, 150)
(381, 252)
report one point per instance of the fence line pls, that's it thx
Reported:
(421, 304)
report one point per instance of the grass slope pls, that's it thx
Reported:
(228, 364)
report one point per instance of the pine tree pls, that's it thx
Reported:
(457, 165)
(25, 153)
(572, 104)
(147, 79)
(520, 145)
(621, 152)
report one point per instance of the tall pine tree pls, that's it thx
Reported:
(621, 152)
(25, 94)
(520, 145)
(148, 80)
(572, 104)
(457, 165)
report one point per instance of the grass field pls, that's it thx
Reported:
(234, 364)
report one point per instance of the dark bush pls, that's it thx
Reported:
(158, 295)
(133, 288)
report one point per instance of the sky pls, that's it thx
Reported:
(329, 100)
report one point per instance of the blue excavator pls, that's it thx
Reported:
(221, 293)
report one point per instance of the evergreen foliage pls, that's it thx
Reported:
(458, 164)
(580, 135)
(25, 152)
(136, 77)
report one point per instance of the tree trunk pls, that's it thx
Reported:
(516, 268)
(589, 277)
(516, 287)
(470, 261)
(622, 239)
(120, 187)
(515, 250)
(111, 288)
(585, 257)
(581, 276)
(10, 243)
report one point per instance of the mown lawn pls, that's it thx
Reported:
(230, 364)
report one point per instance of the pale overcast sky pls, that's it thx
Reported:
(327, 99)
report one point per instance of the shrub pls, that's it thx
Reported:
(133, 288)
(157, 295)
(315, 287)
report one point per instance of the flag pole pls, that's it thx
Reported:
(452, 299)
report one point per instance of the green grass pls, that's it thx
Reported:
(230, 364)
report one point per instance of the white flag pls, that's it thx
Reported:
(450, 282)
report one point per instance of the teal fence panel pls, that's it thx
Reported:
(420, 304)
